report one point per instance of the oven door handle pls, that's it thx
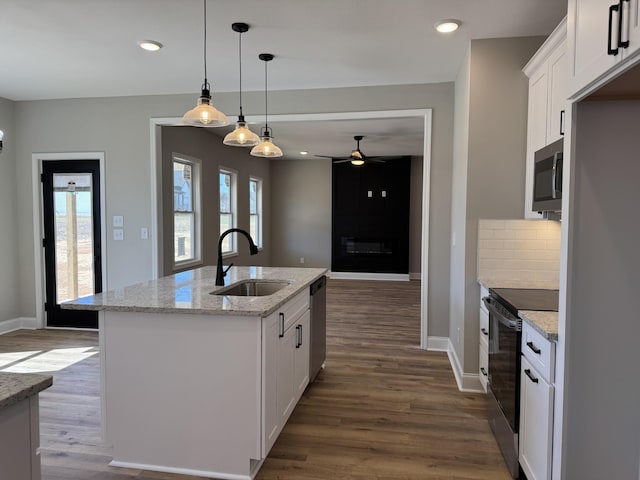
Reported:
(513, 324)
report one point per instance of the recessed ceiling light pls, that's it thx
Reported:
(304, 152)
(447, 26)
(150, 45)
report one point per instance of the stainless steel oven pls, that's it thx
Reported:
(505, 339)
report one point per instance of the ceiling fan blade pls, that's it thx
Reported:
(342, 161)
(375, 160)
(334, 158)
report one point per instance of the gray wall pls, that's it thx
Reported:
(602, 393)
(198, 143)
(495, 167)
(9, 298)
(120, 128)
(302, 226)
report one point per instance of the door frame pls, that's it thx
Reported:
(37, 160)
(424, 113)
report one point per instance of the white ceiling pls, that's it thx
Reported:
(87, 48)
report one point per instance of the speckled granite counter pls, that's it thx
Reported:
(546, 323)
(15, 387)
(190, 292)
(495, 283)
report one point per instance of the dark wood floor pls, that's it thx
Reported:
(382, 408)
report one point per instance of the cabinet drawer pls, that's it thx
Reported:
(484, 366)
(484, 328)
(484, 292)
(293, 309)
(540, 352)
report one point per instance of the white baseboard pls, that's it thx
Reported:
(438, 344)
(394, 277)
(467, 382)
(181, 471)
(19, 323)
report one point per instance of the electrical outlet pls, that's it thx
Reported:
(118, 234)
(144, 233)
(301, 259)
(118, 221)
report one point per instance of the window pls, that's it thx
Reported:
(255, 210)
(228, 180)
(186, 218)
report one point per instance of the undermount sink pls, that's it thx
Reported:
(252, 288)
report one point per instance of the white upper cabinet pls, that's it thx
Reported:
(603, 40)
(547, 72)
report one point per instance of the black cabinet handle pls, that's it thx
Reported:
(621, 44)
(535, 349)
(484, 331)
(297, 336)
(484, 372)
(561, 122)
(281, 334)
(610, 50)
(531, 377)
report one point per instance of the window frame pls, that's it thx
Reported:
(233, 205)
(259, 214)
(196, 211)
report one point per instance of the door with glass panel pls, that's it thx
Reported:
(72, 250)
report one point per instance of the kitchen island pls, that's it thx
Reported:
(197, 382)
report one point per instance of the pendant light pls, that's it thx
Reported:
(241, 136)
(204, 114)
(266, 147)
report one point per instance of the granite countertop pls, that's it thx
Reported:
(15, 387)
(496, 283)
(546, 323)
(190, 292)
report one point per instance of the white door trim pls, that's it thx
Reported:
(38, 220)
(426, 114)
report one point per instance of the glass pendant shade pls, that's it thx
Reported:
(266, 148)
(204, 114)
(241, 136)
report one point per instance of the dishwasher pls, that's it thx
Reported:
(318, 332)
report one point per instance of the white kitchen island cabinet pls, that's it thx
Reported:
(201, 384)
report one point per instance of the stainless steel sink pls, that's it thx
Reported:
(252, 288)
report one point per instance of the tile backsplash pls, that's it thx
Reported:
(519, 251)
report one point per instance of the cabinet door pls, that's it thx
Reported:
(632, 26)
(484, 366)
(536, 423)
(271, 425)
(286, 372)
(301, 366)
(538, 100)
(557, 94)
(588, 36)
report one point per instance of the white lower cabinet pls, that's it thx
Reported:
(483, 360)
(20, 440)
(536, 410)
(285, 342)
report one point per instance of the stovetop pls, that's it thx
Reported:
(515, 299)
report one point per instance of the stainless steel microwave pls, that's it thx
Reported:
(547, 178)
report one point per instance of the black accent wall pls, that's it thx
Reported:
(370, 217)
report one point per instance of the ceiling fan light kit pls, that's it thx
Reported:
(204, 114)
(241, 136)
(266, 147)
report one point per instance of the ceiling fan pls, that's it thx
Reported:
(357, 156)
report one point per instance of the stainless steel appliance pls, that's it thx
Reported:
(505, 337)
(318, 307)
(547, 178)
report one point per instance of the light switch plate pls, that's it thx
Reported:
(118, 234)
(144, 233)
(118, 221)
(370, 194)
(384, 194)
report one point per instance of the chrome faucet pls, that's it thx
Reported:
(220, 272)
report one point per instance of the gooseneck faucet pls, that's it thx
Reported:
(220, 272)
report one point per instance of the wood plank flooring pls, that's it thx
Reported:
(381, 409)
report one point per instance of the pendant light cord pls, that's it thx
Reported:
(266, 109)
(240, 62)
(206, 83)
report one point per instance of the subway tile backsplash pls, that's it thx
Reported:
(519, 251)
